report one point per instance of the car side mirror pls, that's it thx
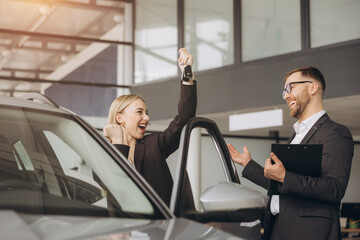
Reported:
(229, 196)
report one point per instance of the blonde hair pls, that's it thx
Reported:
(119, 105)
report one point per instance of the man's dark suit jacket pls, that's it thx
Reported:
(151, 151)
(309, 206)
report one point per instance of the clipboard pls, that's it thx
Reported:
(304, 159)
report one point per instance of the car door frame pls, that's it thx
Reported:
(177, 198)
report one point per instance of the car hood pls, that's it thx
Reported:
(26, 226)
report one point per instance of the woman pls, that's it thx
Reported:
(128, 119)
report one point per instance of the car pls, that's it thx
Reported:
(61, 179)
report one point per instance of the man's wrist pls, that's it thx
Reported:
(246, 162)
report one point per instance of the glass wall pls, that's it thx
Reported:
(209, 32)
(267, 28)
(270, 28)
(155, 40)
(85, 47)
(334, 21)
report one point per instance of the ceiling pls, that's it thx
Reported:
(37, 37)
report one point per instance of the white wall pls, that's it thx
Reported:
(353, 190)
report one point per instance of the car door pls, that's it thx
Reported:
(212, 193)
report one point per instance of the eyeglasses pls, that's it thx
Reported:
(288, 87)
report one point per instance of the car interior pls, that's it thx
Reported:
(42, 173)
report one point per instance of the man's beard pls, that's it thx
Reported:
(301, 104)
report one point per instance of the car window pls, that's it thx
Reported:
(50, 164)
(25, 162)
(79, 174)
(211, 169)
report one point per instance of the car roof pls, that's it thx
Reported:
(33, 101)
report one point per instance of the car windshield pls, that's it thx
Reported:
(49, 164)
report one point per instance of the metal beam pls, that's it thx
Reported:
(43, 48)
(92, 5)
(63, 37)
(27, 70)
(67, 82)
(46, 42)
(37, 72)
(305, 25)
(11, 91)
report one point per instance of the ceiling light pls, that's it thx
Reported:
(45, 10)
(64, 58)
(118, 18)
(6, 53)
(270, 118)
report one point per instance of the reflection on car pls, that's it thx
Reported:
(61, 179)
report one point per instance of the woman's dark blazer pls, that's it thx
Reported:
(151, 151)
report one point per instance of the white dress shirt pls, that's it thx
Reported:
(301, 129)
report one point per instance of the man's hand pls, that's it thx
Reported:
(274, 171)
(116, 134)
(241, 158)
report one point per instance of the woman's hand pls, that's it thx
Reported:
(185, 58)
(116, 134)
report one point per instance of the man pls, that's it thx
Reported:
(307, 207)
